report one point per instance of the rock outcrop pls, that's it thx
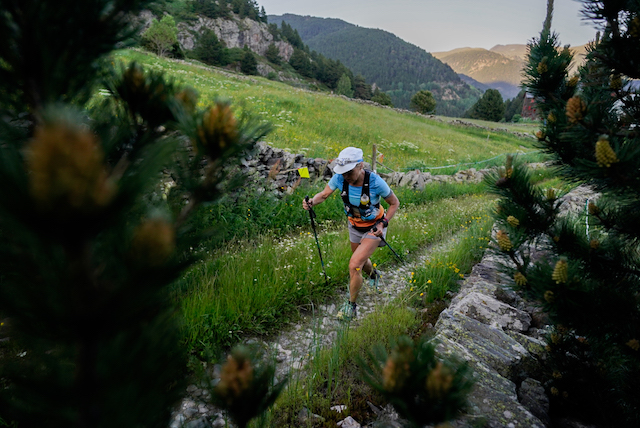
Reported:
(236, 33)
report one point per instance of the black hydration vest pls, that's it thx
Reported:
(365, 209)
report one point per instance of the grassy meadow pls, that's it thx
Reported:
(320, 125)
(262, 267)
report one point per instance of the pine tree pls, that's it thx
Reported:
(210, 50)
(89, 248)
(273, 54)
(588, 278)
(423, 102)
(344, 86)
(489, 107)
(249, 63)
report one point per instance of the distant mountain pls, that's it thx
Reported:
(493, 69)
(395, 66)
(498, 68)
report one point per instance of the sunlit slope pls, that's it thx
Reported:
(320, 124)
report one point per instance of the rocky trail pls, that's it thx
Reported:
(294, 345)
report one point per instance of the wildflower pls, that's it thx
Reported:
(540, 135)
(429, 282)
(513, 221)
(575, 109)
(67, 172)
(554, 391)
(503, 241)
(439, 381)
(520, 279)
(421, 294)
(153, 242)
(605, 156)
(593, 209)
(551, 117)
(560, 271)
(634, 344)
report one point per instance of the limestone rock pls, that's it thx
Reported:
(236, 33)
(490, 311)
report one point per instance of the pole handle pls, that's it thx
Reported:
(312, 213)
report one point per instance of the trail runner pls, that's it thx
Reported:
(361, 191)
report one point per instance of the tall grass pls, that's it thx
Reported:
(252, 286)
(321, 125)
(332, 374)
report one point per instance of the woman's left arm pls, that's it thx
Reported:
(394, 204)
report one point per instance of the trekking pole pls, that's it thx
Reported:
(312, 215)
(375, 228)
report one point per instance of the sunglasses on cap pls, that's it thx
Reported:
(343, 162)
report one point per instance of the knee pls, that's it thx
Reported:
(355, 267)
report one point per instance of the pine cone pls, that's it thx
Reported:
(503, 241)
(67, 171)
(153, 243)
(513, 221)
(575, 109)
(605, 156)
(218, 130)
(560, 271)
(520, 279)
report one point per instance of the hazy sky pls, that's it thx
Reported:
(442, 25)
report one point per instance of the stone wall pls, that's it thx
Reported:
(277, 170)
(502, 336)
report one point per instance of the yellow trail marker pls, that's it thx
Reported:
(304, 172)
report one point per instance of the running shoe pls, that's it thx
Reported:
(374, 281)
(348, 311)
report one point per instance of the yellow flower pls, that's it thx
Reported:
(429, 282)
(421, 294)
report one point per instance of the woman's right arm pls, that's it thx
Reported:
(318, 198)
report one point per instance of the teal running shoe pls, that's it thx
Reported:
(374, 281)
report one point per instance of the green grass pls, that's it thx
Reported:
(253, 286)
(320, 125)
(332, 374)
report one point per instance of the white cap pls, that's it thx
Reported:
(348, 159)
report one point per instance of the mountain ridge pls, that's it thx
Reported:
(392, 64)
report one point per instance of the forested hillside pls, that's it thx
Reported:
(395, 66)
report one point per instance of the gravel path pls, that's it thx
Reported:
(293, 346)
